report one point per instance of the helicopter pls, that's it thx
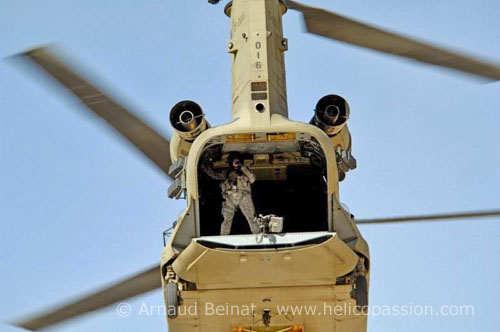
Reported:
(195, 140)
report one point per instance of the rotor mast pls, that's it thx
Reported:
(257, 48)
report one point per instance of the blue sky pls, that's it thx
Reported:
(80, 209)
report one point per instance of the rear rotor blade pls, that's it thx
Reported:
(140, 283)
(153, 145)
(341, 28)
(431, 217)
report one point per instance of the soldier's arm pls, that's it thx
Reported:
(248, 173)
(213, 174)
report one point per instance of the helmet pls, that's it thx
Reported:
(232, 156)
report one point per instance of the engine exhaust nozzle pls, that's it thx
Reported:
(188, 119)
(331, 114)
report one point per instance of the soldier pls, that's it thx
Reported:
(237, 193)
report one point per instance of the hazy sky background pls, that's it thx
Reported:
(80, 209)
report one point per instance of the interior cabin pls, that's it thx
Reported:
(290, 172)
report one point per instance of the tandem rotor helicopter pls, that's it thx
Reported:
(299, 256)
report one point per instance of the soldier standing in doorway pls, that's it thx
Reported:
(237, 193)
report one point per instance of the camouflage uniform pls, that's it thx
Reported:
(237, 193)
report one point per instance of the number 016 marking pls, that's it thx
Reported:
(258, 46)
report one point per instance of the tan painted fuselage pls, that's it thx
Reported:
(230, 282)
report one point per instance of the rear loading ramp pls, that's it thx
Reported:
(219, 268)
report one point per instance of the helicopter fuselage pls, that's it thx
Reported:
(319, 261)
